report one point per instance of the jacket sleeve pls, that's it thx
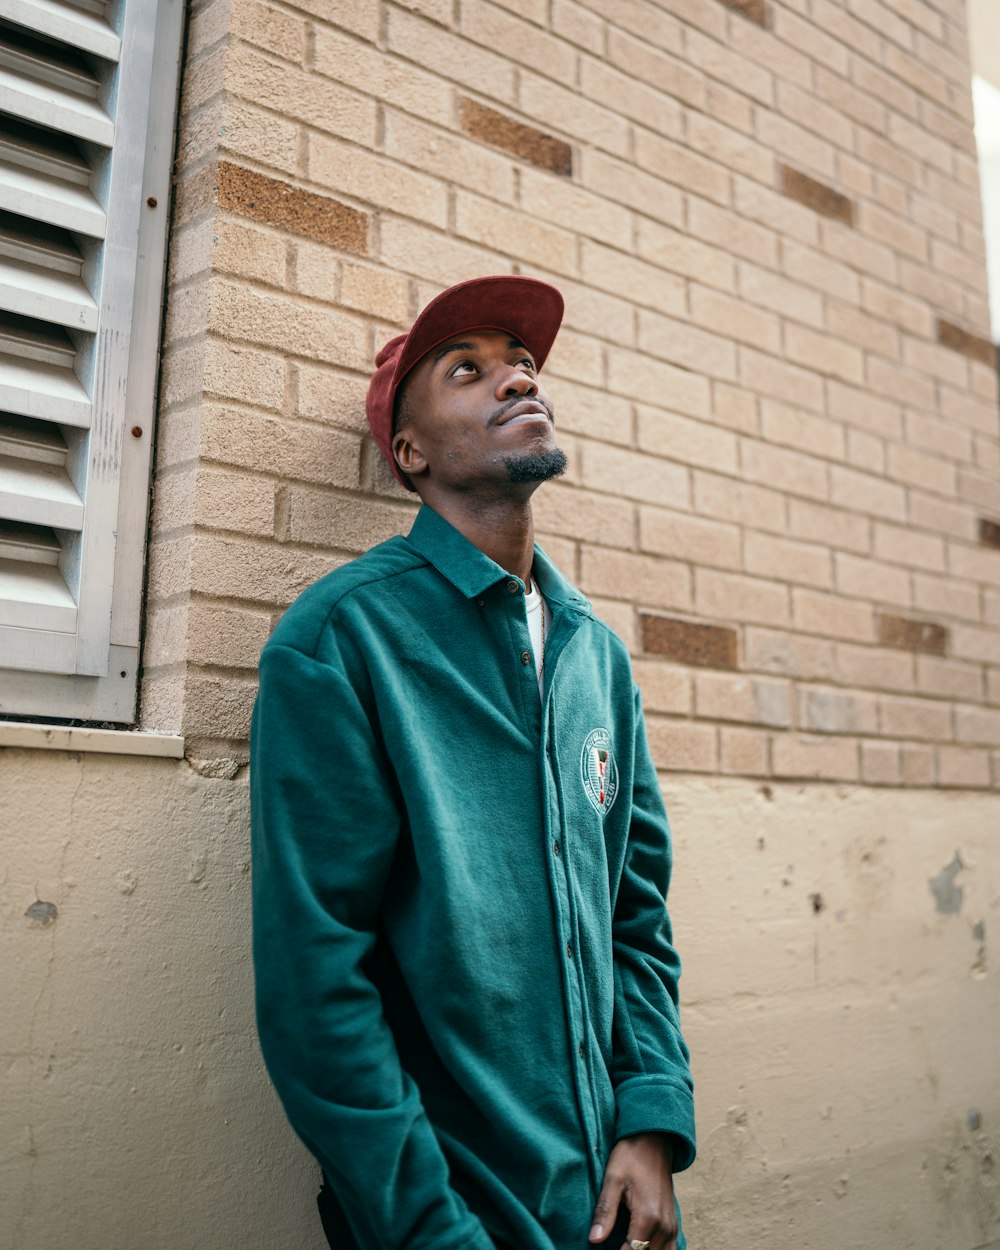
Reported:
(324, 830)
(651, 1072)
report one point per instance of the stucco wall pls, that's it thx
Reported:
(843, 1014)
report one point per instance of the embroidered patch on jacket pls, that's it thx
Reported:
(599, 771)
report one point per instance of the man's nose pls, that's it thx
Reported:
(512, 382)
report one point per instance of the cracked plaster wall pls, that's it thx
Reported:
(843, 1022)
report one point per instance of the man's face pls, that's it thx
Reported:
(474, 414)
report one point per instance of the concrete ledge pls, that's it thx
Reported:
(107, 741)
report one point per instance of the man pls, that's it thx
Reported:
(467, 992)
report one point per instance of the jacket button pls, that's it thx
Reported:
(569, 949)
(556, 848)
(582, 1049)
(525, 657)
(513, 587)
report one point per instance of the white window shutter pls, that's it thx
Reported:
(87, 111)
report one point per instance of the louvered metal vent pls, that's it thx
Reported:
(78, 88)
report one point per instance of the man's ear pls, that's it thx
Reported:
(408, 455)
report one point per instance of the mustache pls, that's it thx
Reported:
(504, 408)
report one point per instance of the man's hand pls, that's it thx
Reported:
(640, 1173)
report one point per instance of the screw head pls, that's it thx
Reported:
(151, 201)
(137, 431)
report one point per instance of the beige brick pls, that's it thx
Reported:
(204, 81)
(925, 719)
(732, 317)
(744, 752)
(592, 411)
(271, 29)
(296, 450)
(796, 473)
(735, 408)
(555, 107)
(864, 331)
(302, 329)
(514, 233)
(654, 21)
(881, 763)
(621, 92)
(730, 108)
(448, 156)
(218, 707)
(410, 248)
(860, 408)
(617, 615)
(452, 56)
(783, 295)
(772, 376)
(690, 442)
(252, 570)
(832, 616)
(946, 596)
(831, 711)
(314, 270)
(517, 40)
(977, 725)
(682, 344)
(730, 66)
(806, 108)
(866, 451)
(234, 501)
(786, 560)
(872, 579)
(375, 180)
(917, 468)
(577, 358)
(778, 211)
(634, 476)
(656, 382)
(726, 229)
(810, 38)
(918, 764)
(739, 152)
(755, 41)
(905, 545)
(679, 165)
(826, 759)
(261, 136)
(573, 22)
(685, 537)
(811, 268)
(644, 580)
(665, 687)
(787, 654)
(732, 697)
(682, 746)
(943, 438)
(979, 563)
(949, 679)
(225, 636)
(247, 252)
(980, 490)
(993, 686)
(584, 516)
(658, 69)
(296, 94)
(798, 146)
(628, 184)
(557, 201)
(596, 313)
(319, 518)
(793, 428)
(963, 767)
(863, 492)
(331, 396)
(729, 499)
(244, 374)
(729, 597)
(191, 251)
(678, 253)
(631, 278)
(835, 90)
(819, 523)
(187, 313)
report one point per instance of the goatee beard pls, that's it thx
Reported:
(536, 466)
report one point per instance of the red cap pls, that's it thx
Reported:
(524, 307)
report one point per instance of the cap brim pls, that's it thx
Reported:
(527, 308)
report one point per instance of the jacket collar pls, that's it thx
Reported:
(471, 571)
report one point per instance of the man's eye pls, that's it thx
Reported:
(526, 360)
(462, 364)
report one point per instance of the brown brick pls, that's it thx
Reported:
(756, 10)
(817, 195)
(688, 642)
(261, 198)
(906, 634)
(520, 140)
(989, 532)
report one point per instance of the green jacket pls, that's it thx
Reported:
(466, 988)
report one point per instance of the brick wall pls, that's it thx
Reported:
(774, 381)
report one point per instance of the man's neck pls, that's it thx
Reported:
(502, 529)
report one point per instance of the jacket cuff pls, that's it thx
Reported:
(648, 1105)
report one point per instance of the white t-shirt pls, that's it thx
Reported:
(539, 619)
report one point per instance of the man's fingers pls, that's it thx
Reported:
(651, 1226)
(606, 1210)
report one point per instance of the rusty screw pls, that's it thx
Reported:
(151, 201)
(137, 431)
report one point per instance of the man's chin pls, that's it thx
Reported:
(536, 466)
